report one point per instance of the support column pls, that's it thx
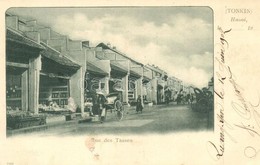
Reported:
(77, 88)
(125, 88)
(25, 91)
(154, 90)
(135, 90)
(148, 90)
(139, 87)
(34, 77)
(106, 88)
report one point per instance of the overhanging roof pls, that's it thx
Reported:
(54, 55)
(117, 67)
(20, 38)
(135, 74)
(95, 69)
(104, 46)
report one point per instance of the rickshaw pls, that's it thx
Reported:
(115, 105)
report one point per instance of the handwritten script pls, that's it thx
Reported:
(220, 93)
(248, 112)
(245, 110)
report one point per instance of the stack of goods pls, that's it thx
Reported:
(20, 119)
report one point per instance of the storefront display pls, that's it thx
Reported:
(55, 77)
(13, 92)
(20, 119)
(22, 71)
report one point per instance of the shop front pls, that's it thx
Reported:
(147, 86)
(96, 81)
(135, 83)
(23, 65)
(57, 71)
(161, 90)
(119, 75)
(118, 83)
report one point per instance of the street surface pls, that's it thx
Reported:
(157, 119)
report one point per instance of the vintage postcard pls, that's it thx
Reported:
(130, 83)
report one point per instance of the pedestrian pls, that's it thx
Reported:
(95, 108)
(102, 107)
(139, 104)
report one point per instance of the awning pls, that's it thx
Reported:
(135, 74)
(16, 37)
(95, 69)
(57, 57)
(117, 67)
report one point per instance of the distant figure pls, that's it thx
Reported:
(139, 105)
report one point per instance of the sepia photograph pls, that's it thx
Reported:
(129, 82)
(109, 70)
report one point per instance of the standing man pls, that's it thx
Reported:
(139, 104)
(95, 108)
(102, 107)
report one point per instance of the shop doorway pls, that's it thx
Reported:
(16, 88)
(53, 89)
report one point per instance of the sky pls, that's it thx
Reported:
(178, 40)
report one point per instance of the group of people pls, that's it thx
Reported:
(99, 106)
(184, 98)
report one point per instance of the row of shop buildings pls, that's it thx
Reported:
(43, 65)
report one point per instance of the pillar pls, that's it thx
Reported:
(125, 88)
(154, 90)
(34, 77)
(139, 88)
(148, 89)
(106, 87)
(77, 88)
(135, 90)
(25, 91)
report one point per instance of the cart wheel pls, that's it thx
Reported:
(119, 108)
(119, 115)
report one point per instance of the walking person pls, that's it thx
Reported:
(101, 100)
(139, 104)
